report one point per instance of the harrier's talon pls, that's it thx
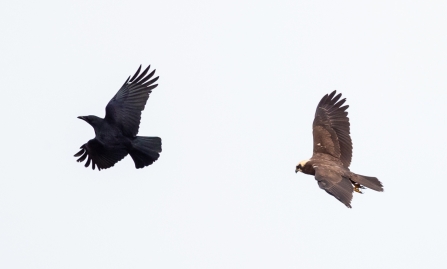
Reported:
(356, 189)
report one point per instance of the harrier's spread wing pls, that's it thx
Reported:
(334, 184)
(125, 108)
(100, 155)
(331, 129)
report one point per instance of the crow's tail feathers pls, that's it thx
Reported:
(369, 182)
(145, 150)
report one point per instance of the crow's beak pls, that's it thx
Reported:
(82, 118)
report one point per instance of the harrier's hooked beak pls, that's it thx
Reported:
(297, 169)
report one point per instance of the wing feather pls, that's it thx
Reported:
(335, 184)
(99, 155)
(331, 128)
(124, 109)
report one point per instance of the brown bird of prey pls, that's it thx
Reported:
(116, 134)
(333, 152)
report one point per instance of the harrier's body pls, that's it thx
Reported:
(333, 152)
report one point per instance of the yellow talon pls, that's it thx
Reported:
(357, 187)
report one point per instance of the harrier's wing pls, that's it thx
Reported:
(334, 184)
(124, 110)
(100, 155)
(331, 129)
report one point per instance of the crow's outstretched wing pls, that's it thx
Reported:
(331, 129)
(333, 183)
(100, 155)
(124, 110)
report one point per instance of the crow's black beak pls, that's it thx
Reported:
(82, 118)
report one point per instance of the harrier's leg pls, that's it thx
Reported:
(357, 187)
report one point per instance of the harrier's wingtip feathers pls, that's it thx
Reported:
(335, 99)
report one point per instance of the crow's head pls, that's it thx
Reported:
(92, 120)
(300, 166)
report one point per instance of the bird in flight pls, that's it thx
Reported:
(332, 152)
(116, 134)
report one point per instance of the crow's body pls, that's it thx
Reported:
(333, 152)
(116, 133)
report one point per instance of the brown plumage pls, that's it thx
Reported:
(333, 152)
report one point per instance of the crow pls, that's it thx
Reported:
(332, 152)
(116, 134)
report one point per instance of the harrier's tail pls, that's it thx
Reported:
(369, 182)
(145, 150)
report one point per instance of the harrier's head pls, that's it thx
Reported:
(299, 167)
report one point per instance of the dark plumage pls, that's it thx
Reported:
(116, 133)
(333, 152)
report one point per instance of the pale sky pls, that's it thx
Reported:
(239, 84)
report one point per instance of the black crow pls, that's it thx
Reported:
(333, 152)
(116, 134)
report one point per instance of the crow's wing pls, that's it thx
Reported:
(100, 155)
(331, 129)
(124, 110)
(333, 183)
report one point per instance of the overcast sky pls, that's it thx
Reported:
(238, 88)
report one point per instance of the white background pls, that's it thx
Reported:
(239, 84)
